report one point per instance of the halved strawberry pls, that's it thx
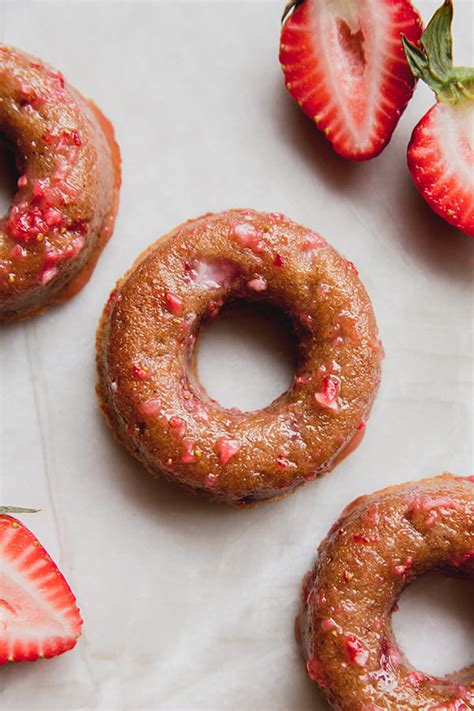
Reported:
(344, 64)
(441, 150)
(38, 612)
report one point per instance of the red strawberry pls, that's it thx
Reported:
(343, 63)
(38, 612)
(441, 150)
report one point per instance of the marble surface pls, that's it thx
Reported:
(189, 605)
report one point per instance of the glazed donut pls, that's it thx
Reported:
(148, 388)
(64, 210)
(380, 544)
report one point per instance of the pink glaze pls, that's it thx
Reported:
(188, 450)
(214, 308)
(18, 252)
(200, 409)
(321, 596)
(114, 298)
(366, 540)
(247, 236)
(30, 96)
(212, 274)
(211, 480)
(53, 217)
(316, 671)
(302, 379)
(196, 406)
(433, 507)
(351, 326)
(258, 284)
(173, 303)
(328, 397)
(355, 650)
(26, 223)
(177, 424)
(52, 256)
(141, 372)
(402, 568)
(150, 408)
(227, 448)
(389, 655)
(312, 244)
(47, 275)
(322, 291)
(371, 516)
(329, 625)
(41, 218)
(415, 678)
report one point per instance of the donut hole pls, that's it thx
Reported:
(434, 624)
(247, 356)
(8, 175)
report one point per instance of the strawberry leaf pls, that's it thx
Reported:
(433, 61)
(437, 41)
(15, 509)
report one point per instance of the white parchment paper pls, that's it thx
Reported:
(188, 605)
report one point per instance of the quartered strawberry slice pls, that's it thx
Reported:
(38, 612)
(343, 62)
(441, 150)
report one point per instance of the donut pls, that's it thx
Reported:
(380, 544)
(146, 357)
(64, 210)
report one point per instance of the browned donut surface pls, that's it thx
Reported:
(379, 545)
(148, 386)
(64, 210)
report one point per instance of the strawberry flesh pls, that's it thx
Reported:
(441, 162)
(344, 64)
(38, 612)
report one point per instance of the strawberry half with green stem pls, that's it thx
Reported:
(344, 64)
(38, 612)
(441, 150)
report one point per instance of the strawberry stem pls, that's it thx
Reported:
(15, 509)
(433, 61)
(289, 7)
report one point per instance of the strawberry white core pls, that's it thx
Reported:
(454, 127)
(454, 131)
(351, 39)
